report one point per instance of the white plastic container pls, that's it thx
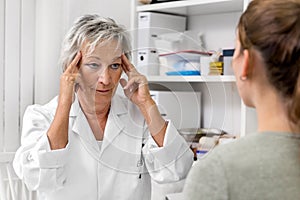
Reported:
(181, 63)
(204, 65)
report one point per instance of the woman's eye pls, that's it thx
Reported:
(115, 66)
(93, 65)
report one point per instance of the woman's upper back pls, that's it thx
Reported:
(258, 166)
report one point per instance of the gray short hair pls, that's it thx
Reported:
(94, 29)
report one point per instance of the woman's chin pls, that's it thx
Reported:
(101, 98)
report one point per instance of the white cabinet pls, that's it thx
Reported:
(217, 20)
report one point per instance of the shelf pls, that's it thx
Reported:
(190, 79)
(221, 105)
(194, 7)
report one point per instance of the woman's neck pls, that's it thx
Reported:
(272, 114)
(90, 109)
(96, 115)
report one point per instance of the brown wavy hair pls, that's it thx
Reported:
(272, 27)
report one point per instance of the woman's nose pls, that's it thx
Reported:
(104, 77)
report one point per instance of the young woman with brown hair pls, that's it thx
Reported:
(266, 164)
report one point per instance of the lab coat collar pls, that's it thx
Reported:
(82, 128)
(114, 124)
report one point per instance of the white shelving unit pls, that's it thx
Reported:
(191, 79)
(194, 7)
(221, 105)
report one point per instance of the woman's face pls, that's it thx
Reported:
(100, 72)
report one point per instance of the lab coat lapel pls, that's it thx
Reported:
(115, 122)
(114, 125)
(122, 143)
(81, 127)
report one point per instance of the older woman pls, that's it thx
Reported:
(88, 143)
(265, 164)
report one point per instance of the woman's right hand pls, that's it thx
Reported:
(68, 80)
(58, 130)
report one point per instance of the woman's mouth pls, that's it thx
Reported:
(102, 91)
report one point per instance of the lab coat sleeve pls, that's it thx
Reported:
(169, 165)
(35, 163)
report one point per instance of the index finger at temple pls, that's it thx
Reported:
(127, 66)
(74, 64)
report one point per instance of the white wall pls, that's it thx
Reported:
(16, 67)
(116, 9)
(218, 29)
(49, 26)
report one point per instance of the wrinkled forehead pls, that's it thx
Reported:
(104, 48)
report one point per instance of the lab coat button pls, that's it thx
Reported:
(150, 158)
(29, 157)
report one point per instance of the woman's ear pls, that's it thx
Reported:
(245, 68)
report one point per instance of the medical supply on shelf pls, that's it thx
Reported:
(186, 62)
(227, 59)
(151, 26)
(216, 68)
(202, 140)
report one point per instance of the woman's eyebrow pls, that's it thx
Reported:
(116, 58)
(98, 58)
(95, 57)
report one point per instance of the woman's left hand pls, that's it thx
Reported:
(136, 88)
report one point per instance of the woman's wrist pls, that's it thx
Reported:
(147, 104)
(65, 100)
(156, 124)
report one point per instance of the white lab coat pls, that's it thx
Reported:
(119, 169)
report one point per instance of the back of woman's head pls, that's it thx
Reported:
(272, 27)
(92, 29)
